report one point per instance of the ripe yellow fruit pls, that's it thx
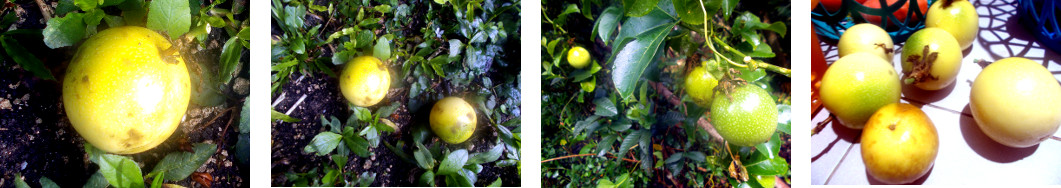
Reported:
(1016, 102)
(944, 68)
(365, 81)
(121, 94)
(868, 38)
(899, 144)
(959, 19)
(700, 85)
(453, 120)
(854, 87)
(578, 57)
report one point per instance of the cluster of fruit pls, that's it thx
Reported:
(1015, 101)
(366, 80)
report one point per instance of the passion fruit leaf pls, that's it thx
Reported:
(690, 10)
(19, 182)
(366, 179)
(589, 124)
(120, 171)
(179, 165)
(634, 57)
(488, 156)
(629, 141)
(382, 50)
(86, 5)
(230, 64)
(323, 143)
(424, 159)
(171, 16)
(96, 181)
(24, 58)
(157, 182)
(638, 8)
(765, 161)
(64, 31)
(582, 74)
(784, 120)
(356, 144)
(496, 183)
(329, 177)
(453, 162)
(561, 18)
(606, 24)
(605, 107)
(65, 6)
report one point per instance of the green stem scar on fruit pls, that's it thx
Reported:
(121, 95)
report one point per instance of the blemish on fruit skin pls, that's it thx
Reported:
(891, 127)
(84, 79)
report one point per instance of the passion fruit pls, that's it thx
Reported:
(867, 38)
(365, 81)
(126, 90)
(854, 87)
(1016, 102)
(700, 85)
(453, 120)
(928, 71)
(578, 57)
(745, 117)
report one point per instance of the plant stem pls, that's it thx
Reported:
(547, 19)
(712, 40)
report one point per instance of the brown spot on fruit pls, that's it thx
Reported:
(470, 115)
(134, 136)
(891, 127)
(84, 79)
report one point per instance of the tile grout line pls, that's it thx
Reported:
(830, 178)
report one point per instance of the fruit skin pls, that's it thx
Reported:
(948, 61)
(865, 38)
(749, 119)
(899, 144)
(121, 95)
(855, 86)
(578, 57)
(1016, 102)
(700, 85)
(453, 120)
(365, 81)
(959, 19)
(899, 14)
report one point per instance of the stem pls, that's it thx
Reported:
(712, 40)
(547, 19)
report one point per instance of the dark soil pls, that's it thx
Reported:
(37, 140)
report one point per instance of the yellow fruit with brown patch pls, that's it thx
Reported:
(453, 120)
(365, 81)
(126, 90)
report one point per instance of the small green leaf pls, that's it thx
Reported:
(638, 8)
(455, 47)
(19, 182)
(382, 50)
(64, 31)
(230, 64)
(179, 165)
(97, 181)
(366, 179)
(25, 59)
(170, 16)
(427, 179)
(48, 183)
(86, 5)
(424, 159)
(356, 144)
(488, 156)
(453, 162)
(323, 143)
(606, 183)
(157, 183)
(283, 117)
(605, 107)
(364, 38)
(120, 171)
(330, 177)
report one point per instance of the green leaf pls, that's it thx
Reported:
(65, 6)
(179, 165)
(638, 8)
(120, 171)
(382, 50)
(283, 117)
(607, 23)
(170, 16)
(364, 38)
(366, 179)
(634, 57)
(766, 161)
(64, 31)
(107, 3)
(230, 64)
(356, 144)
(86, 5)
(784, 121)
(455, 47)
(25, 59)
(323, 143)
(453, 162)
(329, 177)
(157, 183)
(606, 183)
(605, 107)
(583, 74)
(692, 11)
(294, 17)
(488, 156)
(605, 144)
(629, 141)
(424, 159)
(48, 183)
(427, 179)
(496, 183)
(19, 182)
(561, 19)
(244, 117)
(97, 181)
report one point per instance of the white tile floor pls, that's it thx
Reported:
(966, 156)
